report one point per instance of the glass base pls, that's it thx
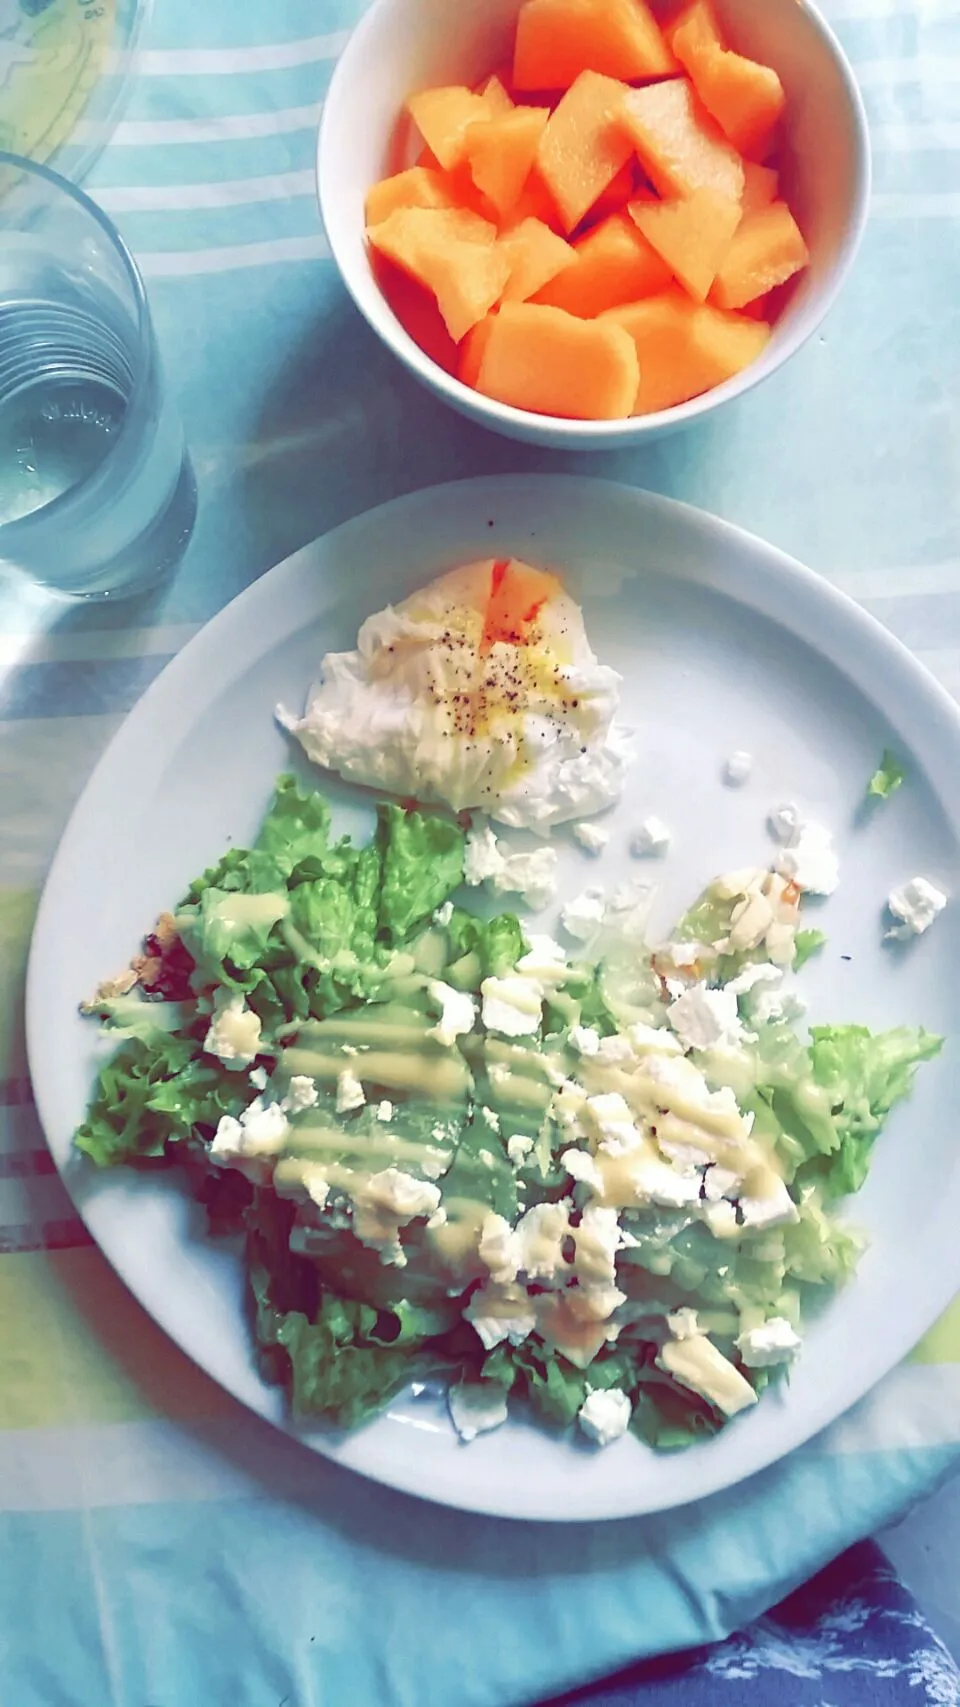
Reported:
(148, 559)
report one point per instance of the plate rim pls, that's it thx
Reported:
(706, 526)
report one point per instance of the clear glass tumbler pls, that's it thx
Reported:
(97, 494)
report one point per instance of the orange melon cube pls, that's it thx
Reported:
(685, 348)
(495, 97)
(536, 202)
(679, 146)
(544, 360)
(584, 145)
(618, 192)
(417, 187)
(470, 354)
(442, 117)
(614, 263)
(691, 235)
(557, 39)
(536, 256)
(761, 186)
(766, 251)
(746, 99)
(500, 152)
(454, 253)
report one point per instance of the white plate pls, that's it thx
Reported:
(723, 644)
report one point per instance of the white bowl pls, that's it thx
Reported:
(405, 45)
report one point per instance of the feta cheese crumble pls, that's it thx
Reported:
(234, 1032)
(592, 837)
(457, 1012)
(350, 1092)
(512, 1006)
(807, 855)
(774, 1342)
(605, 1415)
(301, 1094)
(532, 874)
(582, 917)
(706, 1019)
(738, 769)
(585, 1040)
(914, 906)
(784, 822)
(651, 840)
(261, 1130)
(386, 1202)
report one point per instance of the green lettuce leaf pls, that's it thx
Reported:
(422, 866)
(133, 1016)
(227, 933)
(297, 825)
(806, 945)
(296, 828)
(818, 1249)
(488, 947)
(887, 778)
(339, 1359)
(667, 1416)
(152, 1096)
(864, 1075)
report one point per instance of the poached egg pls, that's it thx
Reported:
(480, 690)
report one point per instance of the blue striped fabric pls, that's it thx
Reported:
(146, 1559)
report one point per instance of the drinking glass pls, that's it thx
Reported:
(97, 495)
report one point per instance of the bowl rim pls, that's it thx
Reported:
(604, 434)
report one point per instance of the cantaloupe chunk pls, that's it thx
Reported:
(442, 116)
(495, 97)
(417, 311)
(470, 353)
(557, 39)
(746, 99)
(544, 360)
(618, 192)
(417, 187)
(766, 251)
(536, 202)
(451, 251)
(536, 256)
(679, 146)
(684, 348)
(695, 27)
(614, 263)
(761, 186)
(691, 234)
(500, 152)
(584, 145)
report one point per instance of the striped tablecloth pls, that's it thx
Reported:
(158, 1547)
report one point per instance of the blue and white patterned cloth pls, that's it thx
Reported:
(850, 1638)
(159, 1547)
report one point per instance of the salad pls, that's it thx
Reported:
(599, 1179)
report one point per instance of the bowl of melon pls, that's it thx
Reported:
(584, 223)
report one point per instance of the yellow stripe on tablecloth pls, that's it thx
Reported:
(942, 1343)
(75, 1347)
(17, 910)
